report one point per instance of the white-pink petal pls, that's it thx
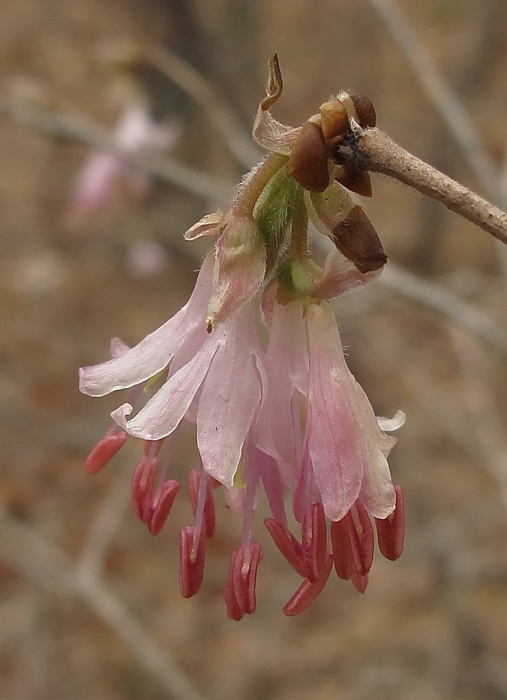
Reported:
(343, 424)
(155, 351)
(278, 430)
(333, 435)
(240, 266)
(230, 398)
(165, 410)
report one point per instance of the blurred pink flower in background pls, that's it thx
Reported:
(102, 173)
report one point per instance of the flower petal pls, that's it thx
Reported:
(165, 410)
(334, 438)
(344, 420)
(340, 276)
(209, 225)
(277, 432)
(154, 352)
(240, 266)
(230, 398)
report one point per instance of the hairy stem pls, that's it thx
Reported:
(377, 152)
(250, 192)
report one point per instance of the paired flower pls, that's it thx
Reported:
(285, 416)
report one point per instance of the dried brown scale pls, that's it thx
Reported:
(356, 238)
(308, 162)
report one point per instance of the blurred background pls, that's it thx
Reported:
(91, 247)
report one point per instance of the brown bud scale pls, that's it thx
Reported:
(356, 238)
(308, 162)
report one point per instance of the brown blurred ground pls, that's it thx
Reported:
(434, 624)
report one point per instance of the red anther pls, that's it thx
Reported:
(191, 562)
(342, 551)
(308, 591)
(244, 576)
(361, 538)
(391, 531)
(234, 611)
(142, 487)
(288, 545)
(360, 582)
(103, 452)
(162, 505)
(194, 481)
(314, 541)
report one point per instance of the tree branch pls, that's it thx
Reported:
(377, 152)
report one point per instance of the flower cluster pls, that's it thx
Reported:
(285, 414)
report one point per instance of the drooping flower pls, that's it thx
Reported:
(284, 416)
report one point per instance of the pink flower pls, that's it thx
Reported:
(283, 415)
(335, 464)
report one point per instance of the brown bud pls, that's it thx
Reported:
(308, 162)
(356, 238)
(357, 181)
(334, 117)
(365, 111)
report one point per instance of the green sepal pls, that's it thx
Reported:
(273, 212)
(298, 279)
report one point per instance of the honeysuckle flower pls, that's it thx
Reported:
(336, 461)
(277, 410)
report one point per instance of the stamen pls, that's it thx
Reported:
(104, 451)
(308, 591)
(273, 487)
(191, 562)
(234, 611)
(288, 545)
(142, 487)
(342, 551)
(244, 576)
(361, 539)
(314, 541)
(162, 505)
(302, 493)
(201, 498)
(360, 582)
(391, 531)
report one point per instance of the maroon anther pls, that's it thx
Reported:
(391, 531)
(142, 487)
(314, 541)
(161, 505)
(244, 576)
(151, 506)
(240, 590)
(342, 551)
(308, 591)
(288, 545)
(194, 481)
(360, 582)
(234, 612)
(361, 538)
(191, 562)
(103, 452)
